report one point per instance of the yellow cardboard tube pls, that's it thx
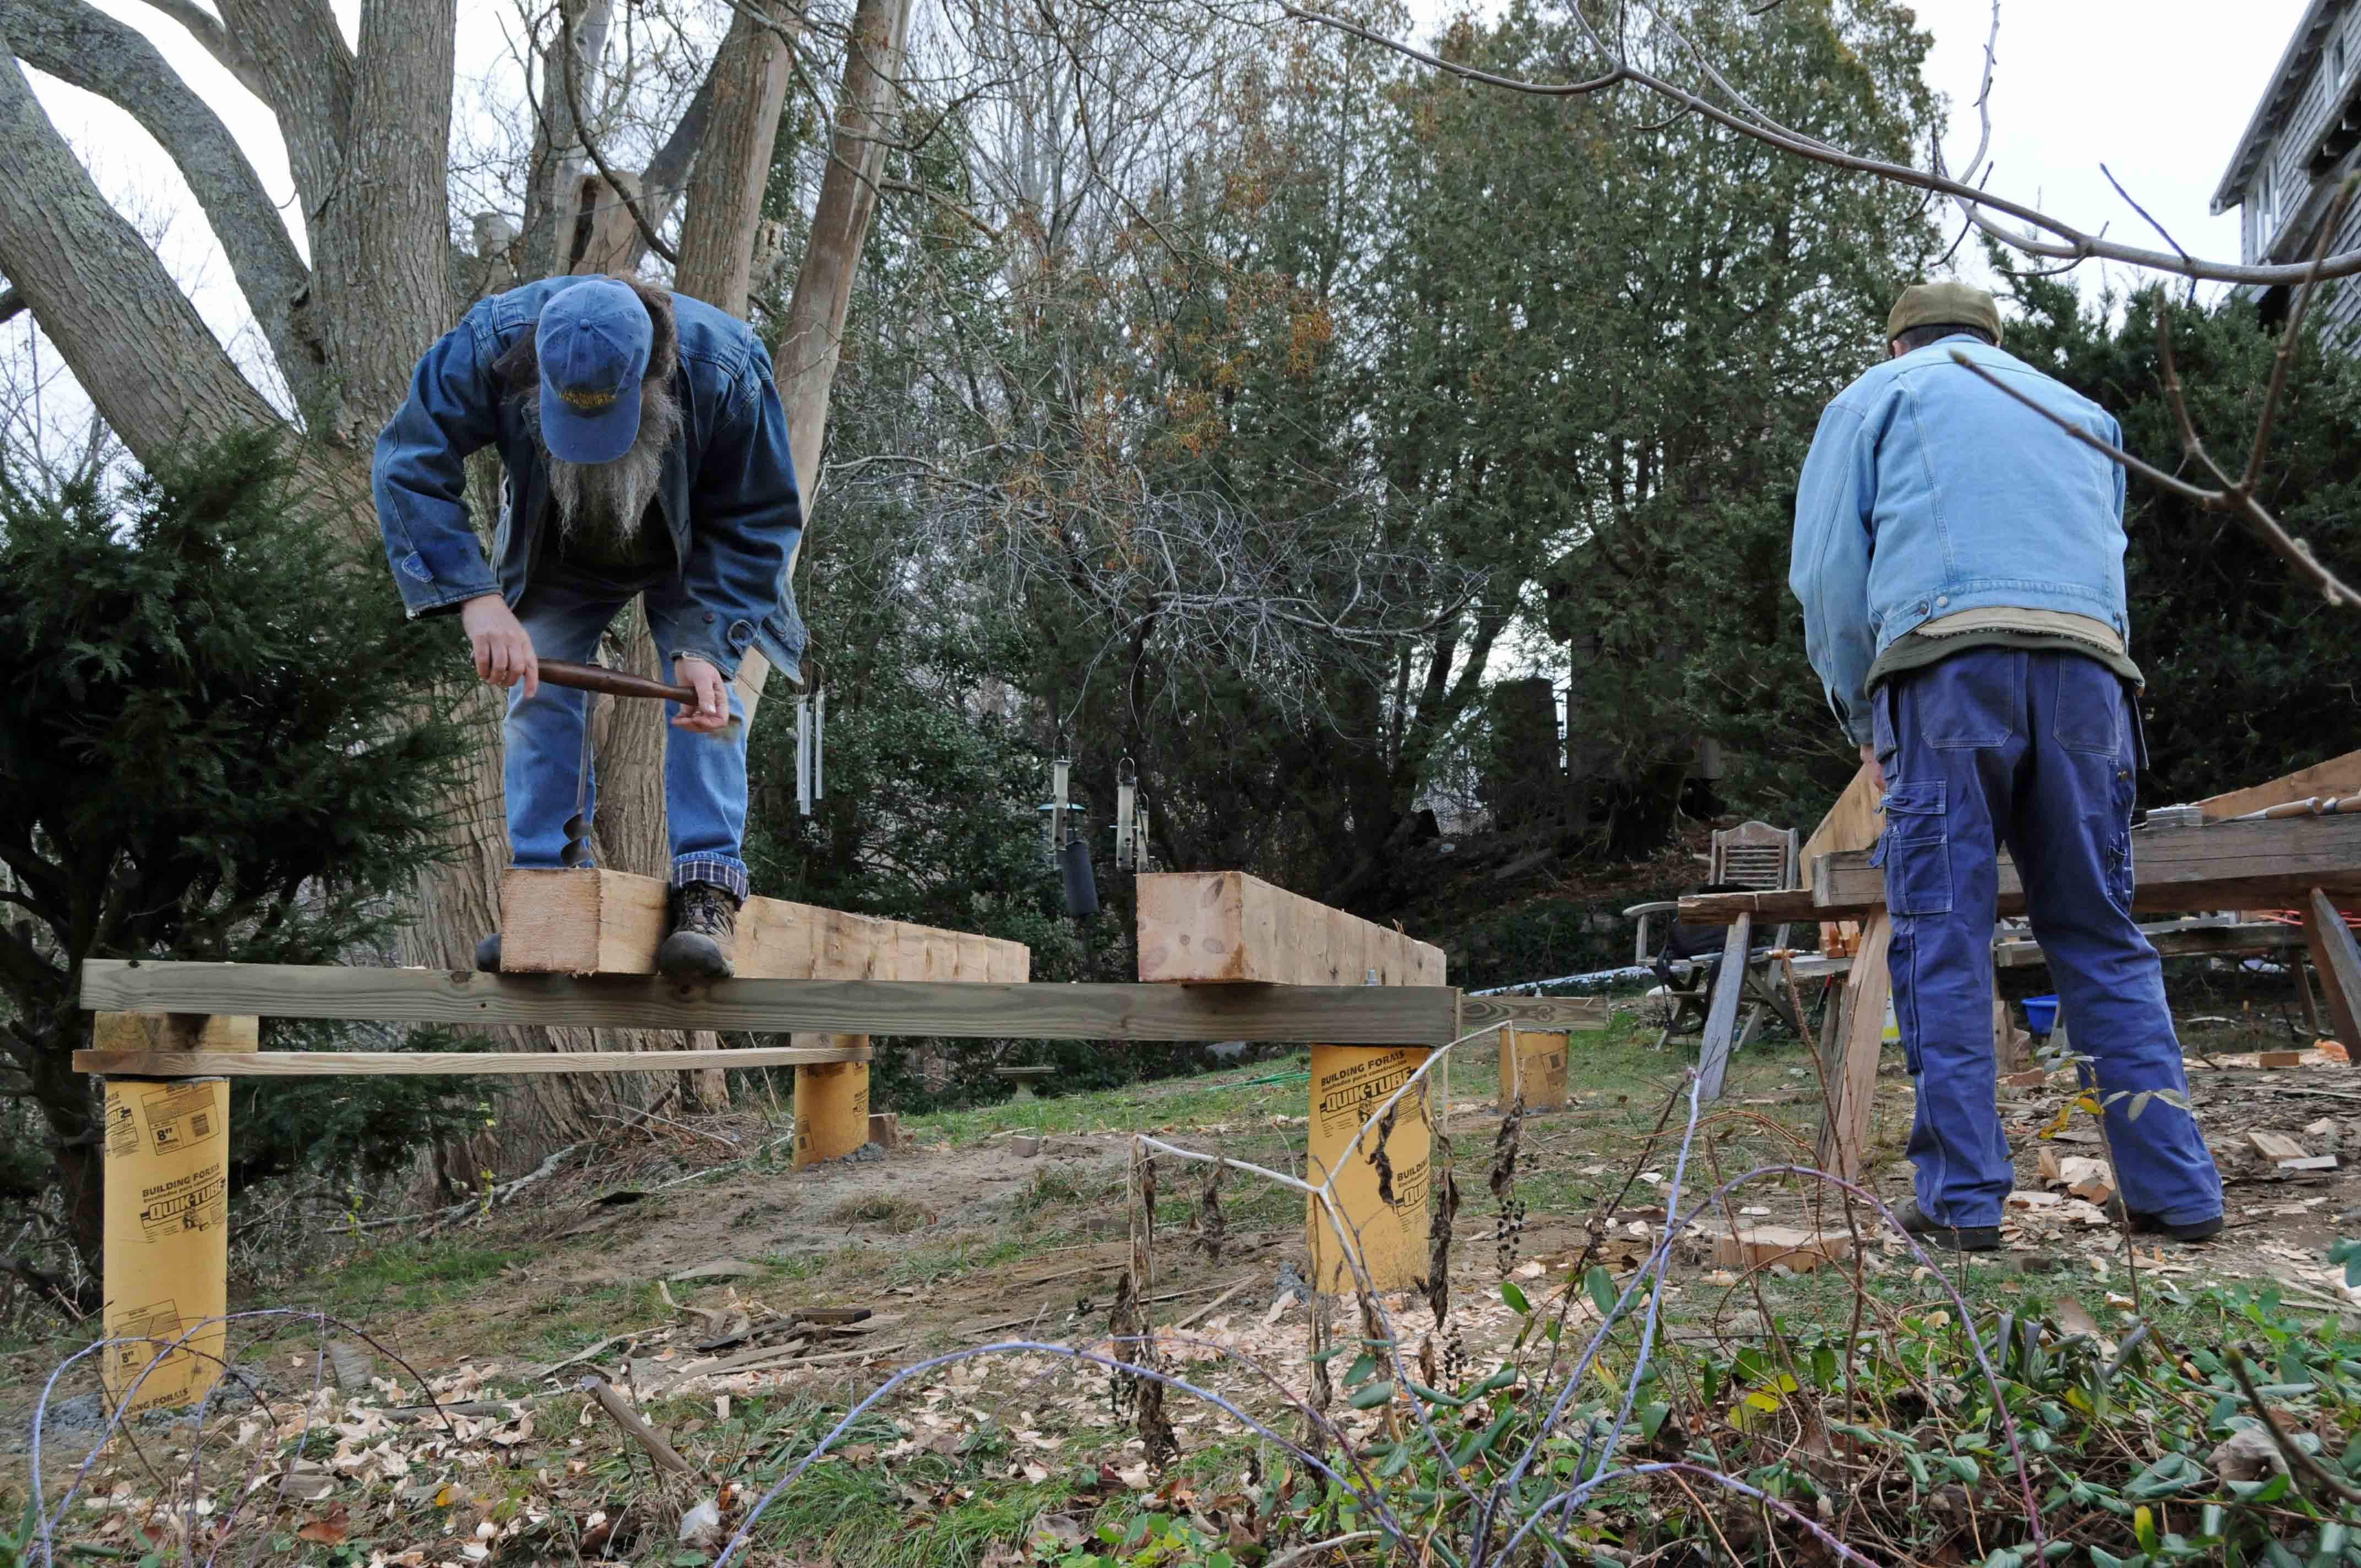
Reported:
(167, 1236)
(831, 1106)
(1532, 1064)
(1389, 1218)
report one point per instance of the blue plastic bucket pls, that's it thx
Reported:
(2040, 1014)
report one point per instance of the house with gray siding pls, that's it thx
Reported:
(2305, 136)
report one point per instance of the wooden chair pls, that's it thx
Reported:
(1752, 857)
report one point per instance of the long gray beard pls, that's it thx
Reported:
(608, 501)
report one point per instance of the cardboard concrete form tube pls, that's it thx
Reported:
(166, 1237)
(1533, 1064)
(831, 1105)
(1349, 1083)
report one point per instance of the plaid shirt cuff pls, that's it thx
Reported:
(721, 870)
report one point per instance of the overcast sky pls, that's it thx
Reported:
(2157, 90)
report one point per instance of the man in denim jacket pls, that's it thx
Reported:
(1961, 562)
(646, 457)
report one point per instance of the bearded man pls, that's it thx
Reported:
(646, 457)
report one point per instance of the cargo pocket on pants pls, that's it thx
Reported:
(1916, 851)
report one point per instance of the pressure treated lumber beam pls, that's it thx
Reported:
(451, 1064)
(1418, 1014)
(585, 921)
(1543, 1013)
(2337, 961)
(1224, 929)
(2223, 865)
(1227, 926)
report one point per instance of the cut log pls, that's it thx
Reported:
(1202, 927)
(581, 922)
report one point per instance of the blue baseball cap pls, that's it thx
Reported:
(594, 338)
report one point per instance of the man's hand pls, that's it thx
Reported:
(712, 710)
(503, 653)
(1876, 771)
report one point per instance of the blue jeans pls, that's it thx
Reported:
(564, 610)
(2040, 752)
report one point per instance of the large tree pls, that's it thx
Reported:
(367, 122)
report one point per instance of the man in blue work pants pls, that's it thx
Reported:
(1960, 560)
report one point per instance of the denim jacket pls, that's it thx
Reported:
(728, 494)
(1927, 492)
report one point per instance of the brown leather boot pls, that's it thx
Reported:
(704, 935)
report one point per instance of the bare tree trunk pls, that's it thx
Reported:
(740, 102)
(814, 340)
(725, 209)
(135, 342)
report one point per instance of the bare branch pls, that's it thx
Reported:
(77, 43)
(2070, 244)
(207, 30)
(655, 241)
(2291, 334)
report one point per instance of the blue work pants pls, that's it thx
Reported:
(2039, 752)
(565, 610)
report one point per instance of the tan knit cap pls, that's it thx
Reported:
(1943, 304)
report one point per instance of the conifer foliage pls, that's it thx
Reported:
(218, 740)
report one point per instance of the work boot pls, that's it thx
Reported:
(1957, 1238)
(2149, 1224)
(487, 954)
(703, 935)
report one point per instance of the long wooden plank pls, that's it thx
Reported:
(2337, 961)
(1721, 1014)
(1228, 926)
(2223, 865)
(585, 921)
(1543, 1013)
(1401, 1014)
(2338, 775)
(449, 1064)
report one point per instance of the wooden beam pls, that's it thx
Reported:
(447, 1064)
(1558, 1012)
(1721, 1014)
(2338, 775)
(2338, 961)
(173, 1032)
(582, 921)
(1411, 1014)
(2223, 865)
(1846, 1139)
(1207, 926)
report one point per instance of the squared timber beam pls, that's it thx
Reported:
(585, 921)
(1215, 926)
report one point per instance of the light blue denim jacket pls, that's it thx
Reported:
(1927, 492)
(728, 491)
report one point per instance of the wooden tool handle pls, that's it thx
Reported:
(614, 683)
